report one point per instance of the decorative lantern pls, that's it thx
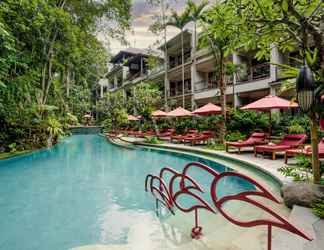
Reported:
(305, 87)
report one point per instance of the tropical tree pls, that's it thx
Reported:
(220, 33)
(48, 51)
(113, 110)
(196, 11)
(180, 21)
(146, 97)
(156, 28)
(289, 25)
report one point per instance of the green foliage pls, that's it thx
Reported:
(182, 124)
(216, 146)
(301, 171)
(164, 124)
(296, 129)
(318, 208)
(283, 123)
(152, 140)
(12, 147)
(50, 60)
(54, 128)
(152, 62)
(282, 23)
(208, 123)
(113, 110)
(235, 136)
(145, 98)
(249, 120)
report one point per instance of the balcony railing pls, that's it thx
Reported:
(256, 72)
(261, 71)
(178, 92)
(205, 85)
(175, 63)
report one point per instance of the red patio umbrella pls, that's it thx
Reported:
(208, 109)
(268, 103)
(132, 118)
(179, 112)
(159, 113)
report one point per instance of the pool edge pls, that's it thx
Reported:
(203, 152)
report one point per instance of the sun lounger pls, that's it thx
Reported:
(180, 138)
(166, 134)
(254, 139)
(288, 142)
(307, 151)
(200, 138)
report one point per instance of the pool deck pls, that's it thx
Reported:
(300, 216)
(246, 156)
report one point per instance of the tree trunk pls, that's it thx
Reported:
(315, 158)
(166, 84)
(67, 81)
(194, 79)
(183, 71)
(222, 88)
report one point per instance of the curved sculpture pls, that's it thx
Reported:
(170, 184)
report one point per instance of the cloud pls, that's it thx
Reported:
(143, 13)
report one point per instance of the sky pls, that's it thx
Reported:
(142, 18)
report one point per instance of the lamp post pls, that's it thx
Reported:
(305, 87)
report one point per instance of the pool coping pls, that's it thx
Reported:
(215, 154)
(281, 180)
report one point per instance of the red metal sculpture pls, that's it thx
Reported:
(171, 184)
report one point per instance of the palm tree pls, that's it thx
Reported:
(196, 11)
(219, 31)
(180, 21)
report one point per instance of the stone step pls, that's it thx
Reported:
(304, 219)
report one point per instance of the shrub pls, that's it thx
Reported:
(318, 208)
(163, 124)
(12, 147)
(208, 123)
(234, 136)
(302, 170)
(287, 123)
(296, 129)
(152, 140)
(249, 120)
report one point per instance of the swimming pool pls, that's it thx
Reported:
(83, 191)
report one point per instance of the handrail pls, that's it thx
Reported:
(168, 193)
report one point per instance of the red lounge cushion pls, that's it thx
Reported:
(258, 135)
(268, 148)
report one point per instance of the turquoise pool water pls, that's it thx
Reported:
(83, 191)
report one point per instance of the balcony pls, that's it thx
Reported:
(205, 86)
(175, 62)
(259, 71)
(177, 91)
(132, 76)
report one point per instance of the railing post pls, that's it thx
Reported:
(269, 236)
